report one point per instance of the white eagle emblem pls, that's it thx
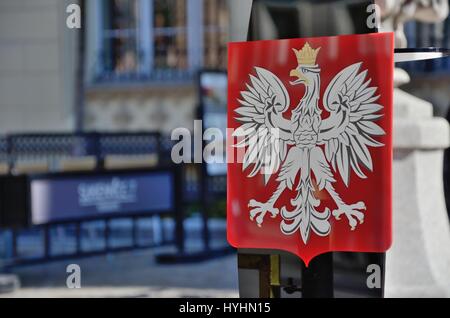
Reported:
(308, 142)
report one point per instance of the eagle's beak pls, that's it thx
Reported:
(300, 77)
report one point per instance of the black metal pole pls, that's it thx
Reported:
(79, 81)
(78, 237)
(179, 211)
(204, 205)
(317, 278)
(14, 244)
(107, 234)
(47, 242)
(134, 233)
(380, 260)
(203, 184)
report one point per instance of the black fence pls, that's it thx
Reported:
(29, 155)
(48, 147)
(24, 156)
(63, 235)
(51, 148)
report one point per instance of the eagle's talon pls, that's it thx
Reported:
(259, 211)
(352, 212)
(352, 222)
(337, 214)
(260, 219)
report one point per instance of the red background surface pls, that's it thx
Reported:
(375, 234)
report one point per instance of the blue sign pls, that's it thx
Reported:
(75, 197)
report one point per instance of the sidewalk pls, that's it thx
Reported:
(131, 274)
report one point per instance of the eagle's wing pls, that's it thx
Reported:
(263, 132)
(351, 127)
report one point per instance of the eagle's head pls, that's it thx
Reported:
(307, 70)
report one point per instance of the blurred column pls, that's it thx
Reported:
(418, 263)
(239, 19)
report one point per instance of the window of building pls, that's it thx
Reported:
(120, 36)
(161, 39)
(215, 33)
(170, 34)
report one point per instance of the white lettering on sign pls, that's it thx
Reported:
(107, 196)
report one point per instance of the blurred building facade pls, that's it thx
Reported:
(37, 54)
(143, 57)
(141, 62)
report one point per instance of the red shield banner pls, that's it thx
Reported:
(310, 144)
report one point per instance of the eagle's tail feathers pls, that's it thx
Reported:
(305, 217)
